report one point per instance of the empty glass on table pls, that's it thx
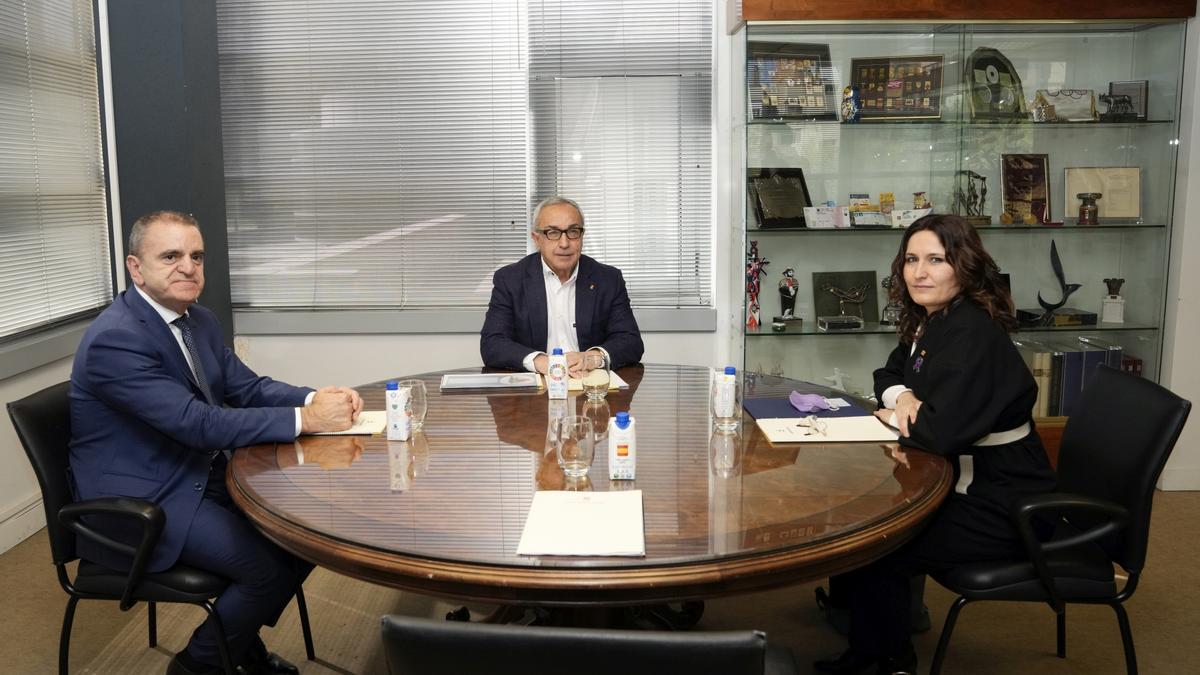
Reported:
(418, 402)
(596, 379)
(576, 445)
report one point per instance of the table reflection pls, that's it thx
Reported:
(459, 489)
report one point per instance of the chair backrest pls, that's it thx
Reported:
(1114, 447)
(43, 423)
(423, 647)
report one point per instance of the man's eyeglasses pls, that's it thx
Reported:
(554, 234)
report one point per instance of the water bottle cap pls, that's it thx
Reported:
(730, 370)
(393, 385)
(622, 420)
(557, 351)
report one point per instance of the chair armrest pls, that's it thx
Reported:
(1065, 504)
(1060, 505)
(149, 515)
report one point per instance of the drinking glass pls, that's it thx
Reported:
(418, 450)
(725, 453)
(418, 402)
(598, 412)
(596, 379)
(576, 445)
(577, 484)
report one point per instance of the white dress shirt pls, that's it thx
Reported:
(560, 314)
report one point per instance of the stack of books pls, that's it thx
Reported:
(1062, 369)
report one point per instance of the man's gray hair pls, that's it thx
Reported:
(553, 200)
(138, 232)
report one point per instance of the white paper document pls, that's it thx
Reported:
(490, 381)
(584, 523)
(369, 422)
(614, 382)
(860, 429)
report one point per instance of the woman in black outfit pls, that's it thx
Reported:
(957, 387)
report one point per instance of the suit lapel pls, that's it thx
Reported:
(161, 333)
(535, 301)
(585, 301)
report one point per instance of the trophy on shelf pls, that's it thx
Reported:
(788, 287)
(1120, 108)
(853, 296)
(891, 311)
(972, 202)
(1112, 307)
(1054, 314)
(1088, 209)
(755, 270)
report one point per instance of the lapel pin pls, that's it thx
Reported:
(591, 287)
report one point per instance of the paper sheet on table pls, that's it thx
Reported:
(584, 523)
(615, 382)
(369, 422)
(490, 380)
(837, 430)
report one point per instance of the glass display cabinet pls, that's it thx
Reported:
(1005, 123)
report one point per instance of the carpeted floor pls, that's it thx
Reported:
(991, 637)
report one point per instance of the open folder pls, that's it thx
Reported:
(828, 430)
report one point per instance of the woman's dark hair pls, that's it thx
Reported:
(978, 275)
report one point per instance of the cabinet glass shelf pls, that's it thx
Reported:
(977, 148)
(872, 328)
(1007, 125)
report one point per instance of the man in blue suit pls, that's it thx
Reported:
(156, 401)
(558, 297)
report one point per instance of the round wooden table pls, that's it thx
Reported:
(442, 513)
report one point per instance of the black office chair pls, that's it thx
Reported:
(43, 423)
(424, 647)
(1113, 449)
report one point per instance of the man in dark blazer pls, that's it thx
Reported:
(156, 401)
(558, 297)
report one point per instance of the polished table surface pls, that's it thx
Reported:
(442, 513)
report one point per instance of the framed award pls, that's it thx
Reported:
(790, 81)
(898, 87)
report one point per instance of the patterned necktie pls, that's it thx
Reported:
(185, 327)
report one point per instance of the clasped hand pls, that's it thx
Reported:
(331, 409)
(578, 363)
(907, 405)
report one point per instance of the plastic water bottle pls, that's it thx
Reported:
(727, 399)
(556, 374)
(622, 448)
(399, 426)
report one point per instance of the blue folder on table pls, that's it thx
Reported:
(767, 408)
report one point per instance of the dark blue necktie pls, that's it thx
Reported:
(185, 327)
(217, 468)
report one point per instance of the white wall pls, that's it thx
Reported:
(1181, 358)
(20, 497)
(318, 360)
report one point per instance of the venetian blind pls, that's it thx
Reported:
(375, 151)
(621, 98)
(54, 253)
(384, 154)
